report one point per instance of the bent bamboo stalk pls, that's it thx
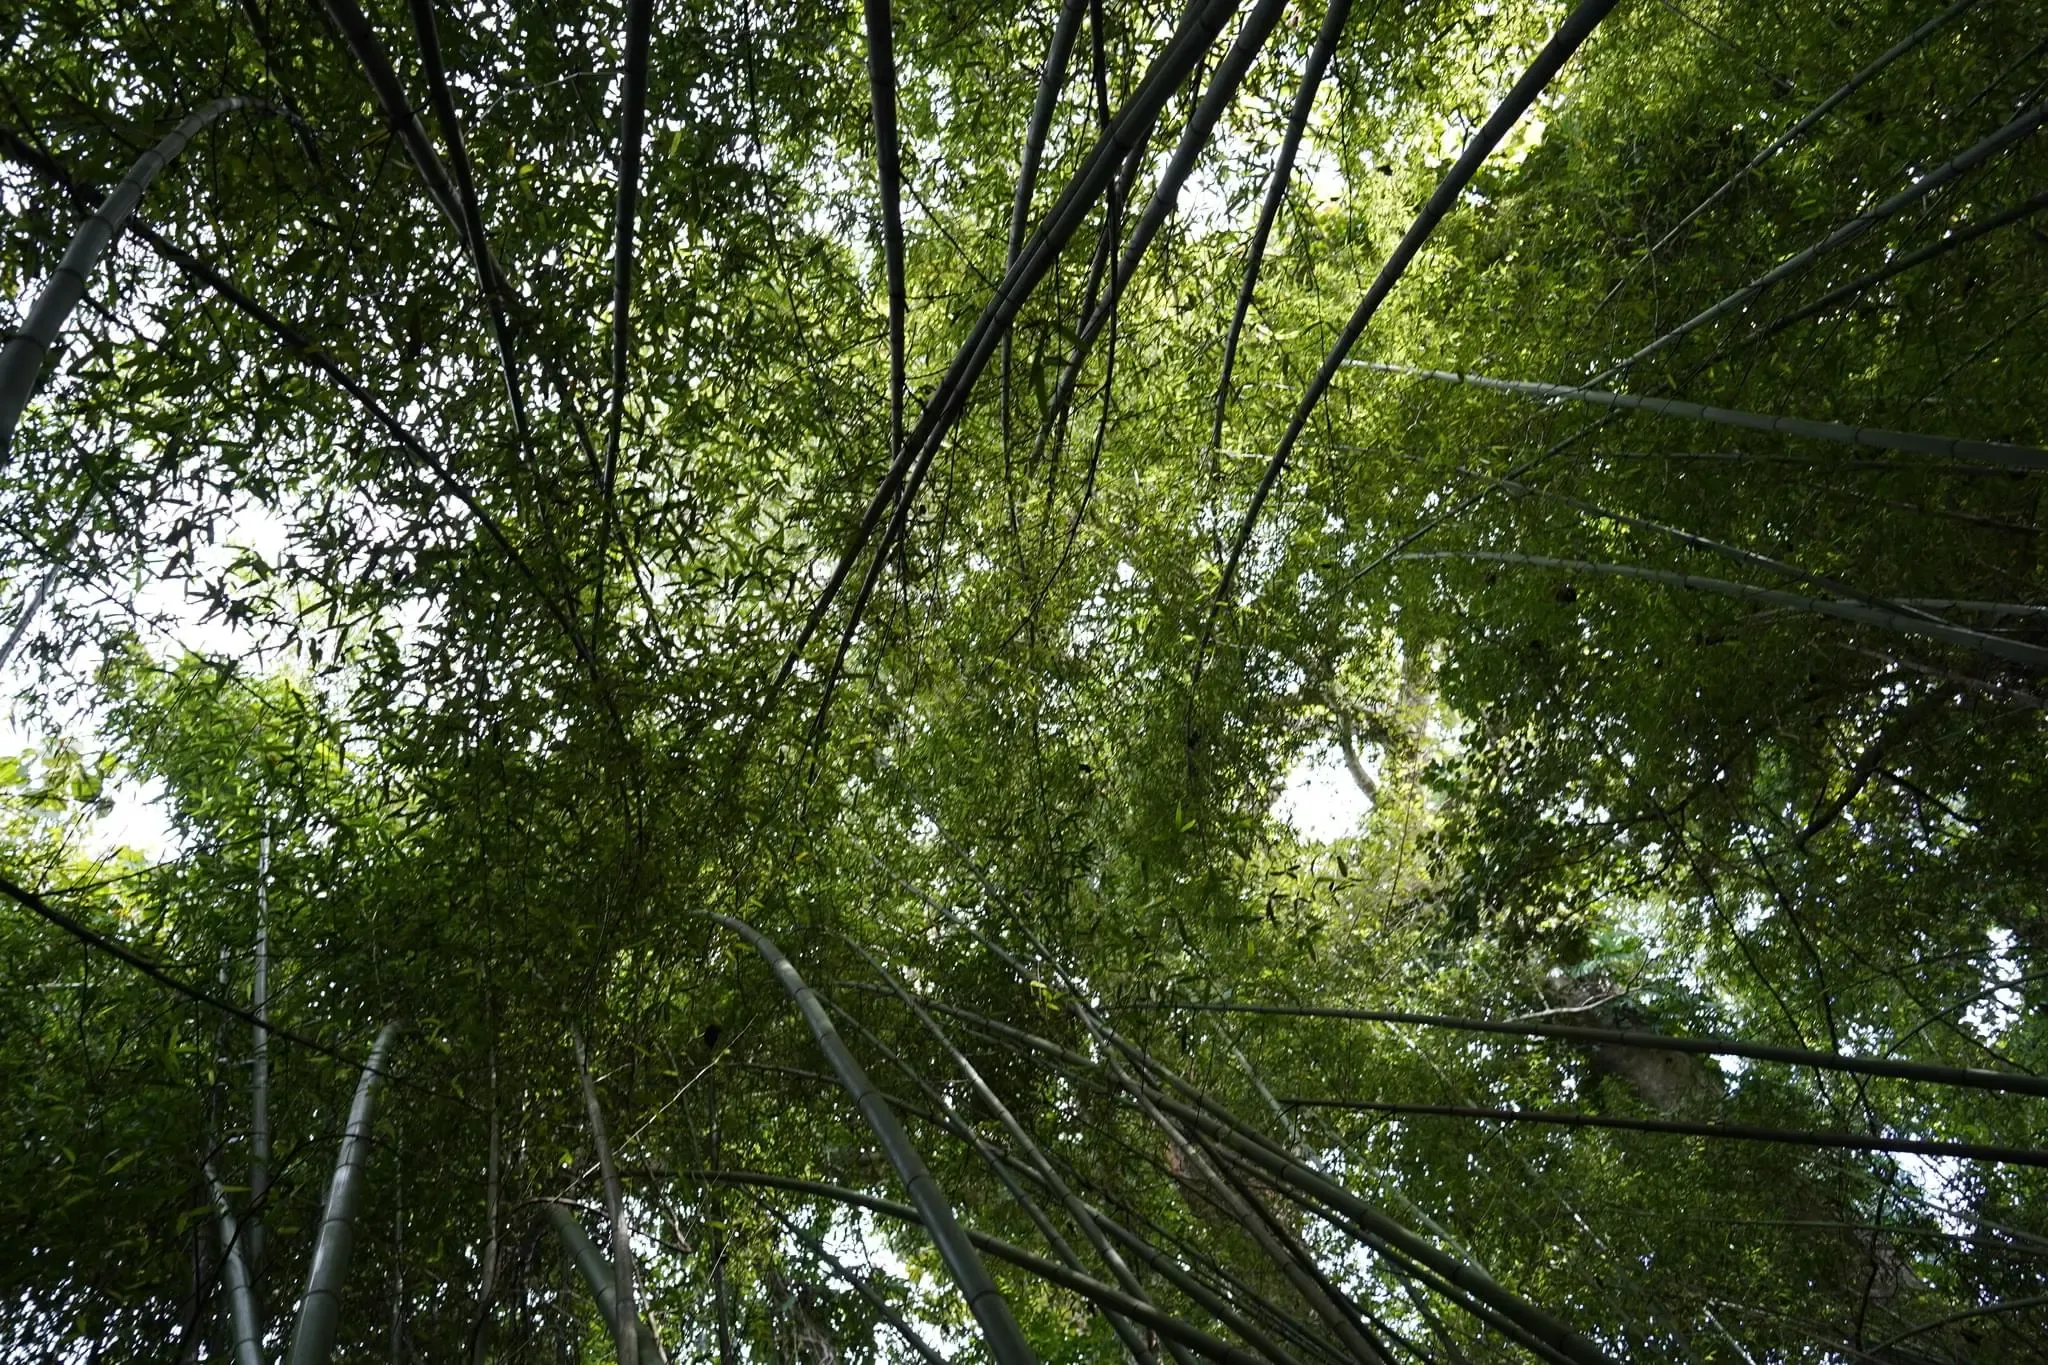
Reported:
(22, 360)
(999, 1329)
(320, 1309)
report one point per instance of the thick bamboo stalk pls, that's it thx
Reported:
(1201, 125)
(625, 1313)
(948, 1118)
(1218, 1123)
(889, 175)
(1738, 1132)
(1051, 76)
(999, 1329)
(603, 1281)
(1577, 27)
(1102, 1295)
(128, 957)
(21, 361)
(471, 225)
(1168, 70)
(1872, 438)
(1998, 646)
(320, 1309)
(245, 1326)
(1035, 1155)
(911, 1336)
(1974, 1078)
(1334, 18)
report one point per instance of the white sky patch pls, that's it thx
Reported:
(1319, 801)
(1999, 1010)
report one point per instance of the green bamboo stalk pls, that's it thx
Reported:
(1974, 1078)
(1102, 1295)
(1046, 1175)
(1218, 1123)
(603, 1282)
(1050, 78)
(1334, 19)
(22, 359)
(1204, 20)
(1848, 1142)
(259, 1060)
(1872, 438)
(999, 1329)
(1953, 240)
(1798, 130)
(244, 1323)
(1577, 27)
(1999, 646)
(859, 1283)
(1201, 125)
(471, 226)
(320, 1309)
(625, 1314)
(2016, 130)
(889, 174)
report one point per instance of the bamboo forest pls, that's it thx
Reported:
(1257, 682)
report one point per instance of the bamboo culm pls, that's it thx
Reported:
(259, 1061)
(1998, 646)
(22, 359)
(1975, 1078)
(1216, 99)
(1871, 438)
(999, 1329)
(625, 1314)
(245, 1326)
(1103, 1295)
(1577, 27)
(1319, 57)
(2019, 128)
(602, 1279)
(1032, 265)
(320, 1309)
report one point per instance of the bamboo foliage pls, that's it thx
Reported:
(1657, 978)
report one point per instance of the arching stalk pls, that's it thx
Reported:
(1870, 438)
(1194, 138)
(244, 1324)
(603, 1281)
(1102, 1295)
(320, 1309)
(1796, 132)
(889, 175)
(2019, 128)
(1319, 57)
(1969, 1077)
(1050, 77)
(2018, 651)
(1791, 1137)
(625, 1313)
(999, 1329)
(906, 474)
(951, 1120)
(259, 1060)
(1577, 27)
(22, 359)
